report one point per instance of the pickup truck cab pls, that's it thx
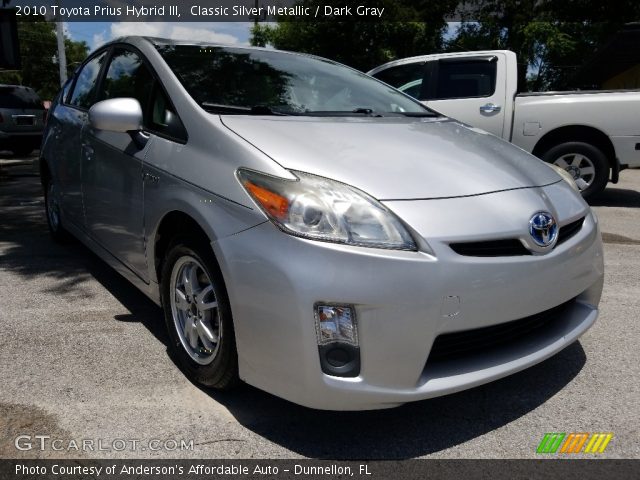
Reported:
(591, 134)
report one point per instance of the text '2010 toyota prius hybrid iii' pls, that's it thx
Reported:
(313, 231)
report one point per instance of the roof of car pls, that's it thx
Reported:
(159, 41)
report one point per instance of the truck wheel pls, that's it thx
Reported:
(52, 210)
(583, 161)
(198, 315)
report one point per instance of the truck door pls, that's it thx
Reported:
(470, 89)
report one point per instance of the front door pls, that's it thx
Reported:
(112, 169)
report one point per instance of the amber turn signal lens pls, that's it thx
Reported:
(275, 204)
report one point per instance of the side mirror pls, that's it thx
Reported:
(116, 115)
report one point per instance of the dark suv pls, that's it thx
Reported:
(22, 117)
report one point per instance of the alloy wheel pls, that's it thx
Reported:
(194, 308)
(579, 166)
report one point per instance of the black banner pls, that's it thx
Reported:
(301, 10)
(298, 469)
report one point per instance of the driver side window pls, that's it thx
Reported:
(84, 90)
(127, 76)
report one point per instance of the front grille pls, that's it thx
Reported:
(510, 247)
(460, 344)
(569, 230)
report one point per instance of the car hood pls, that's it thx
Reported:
(393, 158)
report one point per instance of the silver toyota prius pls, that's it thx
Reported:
(312, 231)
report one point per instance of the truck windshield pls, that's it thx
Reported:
(230, 80)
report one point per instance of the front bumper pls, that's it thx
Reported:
(401, 299)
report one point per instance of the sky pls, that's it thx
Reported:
(97, 33)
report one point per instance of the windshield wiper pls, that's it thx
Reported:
(369, 112)
(366, 111)
(343, 113)
(254, 110)
(426, 113)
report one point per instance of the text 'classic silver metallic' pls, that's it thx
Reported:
(313, 231)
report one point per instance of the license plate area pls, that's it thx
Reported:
(24, 120)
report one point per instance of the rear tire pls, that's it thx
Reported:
(198, 315)
(581, 160)
(52, 212)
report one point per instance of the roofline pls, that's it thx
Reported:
(403, 61)
(136, 40)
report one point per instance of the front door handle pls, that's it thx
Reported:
(490, 108)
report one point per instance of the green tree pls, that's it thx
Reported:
(408, 28)
(551, 39)
(38, 51)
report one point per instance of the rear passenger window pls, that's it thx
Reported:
(465, 79)
(84, 91)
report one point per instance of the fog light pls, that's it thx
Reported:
(336, 324)
(337, 335)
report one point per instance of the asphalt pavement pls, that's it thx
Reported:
(83, 356)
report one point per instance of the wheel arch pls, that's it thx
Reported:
(576, 133)
(175, 222)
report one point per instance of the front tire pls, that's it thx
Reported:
(198, 315)
(584, 161)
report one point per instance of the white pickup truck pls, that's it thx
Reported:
(592, 134)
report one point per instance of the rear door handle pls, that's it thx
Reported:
(490, 108)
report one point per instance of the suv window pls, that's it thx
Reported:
(465, 79)
(16, 97)
(84, 91)
(406, 78)
(127, 76)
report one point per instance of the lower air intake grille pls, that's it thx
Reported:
(459, 344)
(491, 248)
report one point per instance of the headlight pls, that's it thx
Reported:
(321, 209)
(566, 176)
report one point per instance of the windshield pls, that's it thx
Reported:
(237, 80)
